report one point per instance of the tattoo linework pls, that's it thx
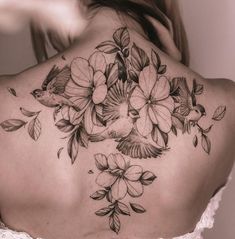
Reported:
(12, 91)
(34, 126)
(119, 181)
(129, 100)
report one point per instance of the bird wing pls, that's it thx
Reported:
(51, 75)
(58, 83)
(184, 98)
(136, 146)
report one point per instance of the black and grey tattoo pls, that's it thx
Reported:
(130, 100)
(33, 125)
(119, 181)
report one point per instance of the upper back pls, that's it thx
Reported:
(115, 120)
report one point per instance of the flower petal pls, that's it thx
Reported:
(161, 89)
(73, 89)
(81, 103)
(99, 79)
(161, 116)
(144, 124)
(99, 94)
(134, 189)
(137, 99)
(97, 61)
(168, 103)
(88, 123)
(119, 189)
(133, 173)
(81, 72)
(147, 80)
(116, 161)
(105, 179)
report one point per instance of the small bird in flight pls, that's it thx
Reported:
(52, 92)
(188, 109)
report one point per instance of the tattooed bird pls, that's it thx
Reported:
(119, 128)
(188, 109)
(137, 146)
(122, 127)
(52, 92)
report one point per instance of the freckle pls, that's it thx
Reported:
(63, 57)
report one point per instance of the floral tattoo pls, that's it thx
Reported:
(129, 100)
(119, 180)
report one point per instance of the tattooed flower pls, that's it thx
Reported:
(151, 98)
(118, 175)
(87, 88)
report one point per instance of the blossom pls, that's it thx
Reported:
(119, 176)
(153, 101)
(87, 89)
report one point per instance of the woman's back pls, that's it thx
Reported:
(136, 127)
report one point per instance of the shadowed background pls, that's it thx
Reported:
(211, 34)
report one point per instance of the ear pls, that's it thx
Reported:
(166, 38)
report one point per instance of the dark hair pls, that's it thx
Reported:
(157, 9)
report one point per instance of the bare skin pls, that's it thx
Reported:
(50, 197)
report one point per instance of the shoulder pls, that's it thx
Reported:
(224, 90)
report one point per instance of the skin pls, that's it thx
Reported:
(48, 197)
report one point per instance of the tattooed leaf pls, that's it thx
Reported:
(174, 130)
(108, 47)
(122, 37)
(137, 208)
(156, 60)
(126, 52)
(101, 162)
(12, 125)
(197, 88)
(34, 129)
(59, 152)
(206, 131)
(123, 209)
(113, 74)
(206, 143)
(219, 113)
(134, 76)
(139, 58)
(73, 148)
(104, 211)
(65, 126)
(109, 196)
(28, 113)
(12, 91)
(83, 137)
(122, 72)
(114, 223)
(162, 69)
(147, 178)
(99, 195)
(195, 141)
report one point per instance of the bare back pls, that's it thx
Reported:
(112, 137)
